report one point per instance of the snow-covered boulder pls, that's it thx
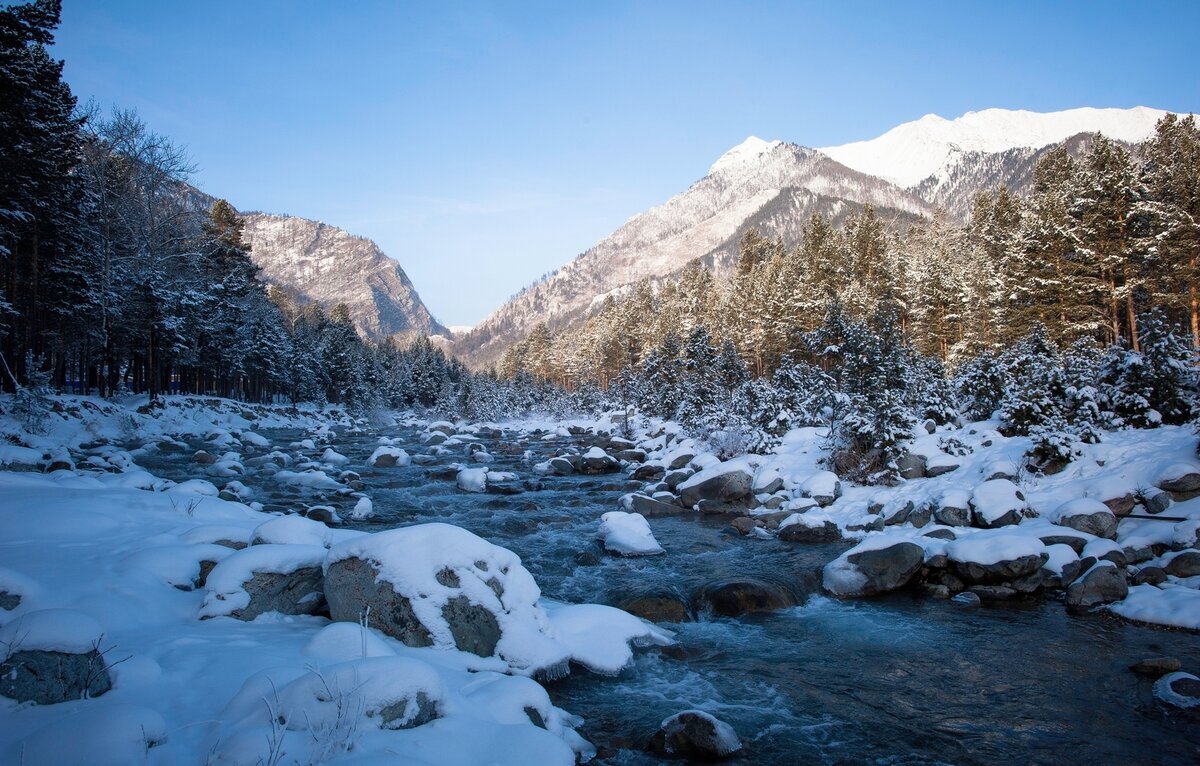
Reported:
(1086, 514)
(472, 479)
(383, 692)
(292, 530)
(439, 585)
(824, 487)
(811, 527)
(996, 557)
(953, 508)
(1182, 564)
(628, 534)
(695, 734)
(997, 503)
(333, 457)
(722, 483)
(363, 509)
(1181, 480)
(388, 457)
(266, 578)
(51, 656)
(1102, 584)
(874, 566)
(596, 461)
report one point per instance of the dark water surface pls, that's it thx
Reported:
(898, 680)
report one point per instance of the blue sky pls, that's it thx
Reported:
(484, 143)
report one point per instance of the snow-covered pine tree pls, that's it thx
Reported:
(1037, 385)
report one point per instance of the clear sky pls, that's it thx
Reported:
(484, 143)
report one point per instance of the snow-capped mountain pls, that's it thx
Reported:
(933, 146)
(328, 266)
(771, 185)
(774, 186)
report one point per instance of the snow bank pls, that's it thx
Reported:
(1177, 606)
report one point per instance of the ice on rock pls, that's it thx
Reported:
(628, 534)
(1165, 690)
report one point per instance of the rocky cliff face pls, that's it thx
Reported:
(327, 265)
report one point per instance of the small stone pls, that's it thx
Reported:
(1154, 667)
(967, 600)
(695, 734)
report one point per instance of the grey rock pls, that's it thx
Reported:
(561, 466)
(940, 534)
(632, 455)
(940, 469)
(1077, 543)
(1102, 584)
(675, 478)
(599, 464)
(648, 506)
(951, 516)
(395, 716)
(1150, 576)
(298, 592)
(354, 594)
(1121, 506)
(888, 569)
(48, 678)
(1101, 524)
(1183, 487)
(1186, 564)
(1155, 667)
(1155, 500)
(647, 472)
(745, 524)
(693, 735)
(828, 532)
(994, 592)
(681, 461)
(9, 601)
(474, 628)
(735, 597)
(728, 487)
(911, 466)
(1001, 571)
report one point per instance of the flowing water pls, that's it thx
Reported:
(897, 680)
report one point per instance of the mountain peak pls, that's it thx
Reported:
(747, 150)
(914, 151)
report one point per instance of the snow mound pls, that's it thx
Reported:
(225, 584)
(628, 534)
(51, 630)
(115, 734)
(1176, 606)
(993, 547)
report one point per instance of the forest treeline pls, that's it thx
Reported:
(117, 276)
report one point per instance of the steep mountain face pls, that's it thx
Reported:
(772, 186)
(934, 147)
(328, 266)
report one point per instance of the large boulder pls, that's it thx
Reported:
(721, 483)
(873, 567)
(266, 578)
(440, 585)
(738, 596)
(649, 506)
(911, 466)
(694, 734)
(51, 656)
(1183, 564)
(1088, 515)
(997, 557)
(1102, 584)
